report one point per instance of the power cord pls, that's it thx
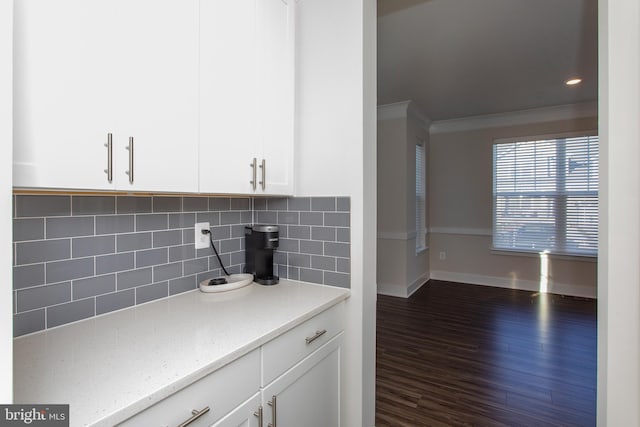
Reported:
(215, 251)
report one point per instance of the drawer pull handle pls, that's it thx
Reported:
(254, 172)
(317, 335)
(109, 169)
(274, 417)
(195, 415)
(259, 414)
(130, 149)
(263, 166)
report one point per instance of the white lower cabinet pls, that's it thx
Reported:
(245, 415)
(221, 392)
(291, 381)
(309, 393)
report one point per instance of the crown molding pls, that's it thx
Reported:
(401, 110)
(514, 118)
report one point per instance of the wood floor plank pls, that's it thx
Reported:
(464, 355)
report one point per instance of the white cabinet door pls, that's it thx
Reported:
(246, 96)
(158, 94)
(245, 415)
(276, 104)
(228, 111)
(62, 101)
(86, 68)
(309, 393)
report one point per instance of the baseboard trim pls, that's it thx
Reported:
(417, 284)
(524, 285)
(400, 290)
(392, 290)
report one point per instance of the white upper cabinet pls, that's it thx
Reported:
(246, 96)
(88, 68)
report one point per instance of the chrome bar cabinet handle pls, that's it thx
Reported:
(263, 166)
(260, 415)
(194, 416)
(274, 417)
(317, 335)
(130, 171)
(254, 165)
(109, 169)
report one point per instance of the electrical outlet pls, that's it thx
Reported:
(443, 256)
(201, 239)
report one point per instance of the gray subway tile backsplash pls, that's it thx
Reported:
(343, 204)
(336, 219)
(167, 238)
(42, 206)
(182, 284)
(300, 204)
(152, 222)
(113, 263)
(195, 204)
(57, 271)
(70, 312)
(152, 292)
(167, 204)
(133, 204)
(337, 249)
(28, 229)
(151, 257)
(133, 278)
(43, 296)
(98, 285)
(115, 301)
(94, 245)
(167, 271)
(115, 224)
(69, 226)
(93, 205)
(336, 279)
(311, 247)
(28, 322)
(323, 233)
(26, 276)
(323, 204)
(311, 218)
(133, 241)
(82, 256)
(219, 203)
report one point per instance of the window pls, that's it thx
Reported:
(421, 203)
(545, 196)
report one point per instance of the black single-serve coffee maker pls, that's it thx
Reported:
(260, 242)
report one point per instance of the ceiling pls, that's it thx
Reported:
(461, 58)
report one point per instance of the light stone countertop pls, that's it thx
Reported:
(113, 366)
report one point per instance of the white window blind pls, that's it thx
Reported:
(545, 196)
(421, 226)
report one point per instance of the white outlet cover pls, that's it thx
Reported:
(201, 240)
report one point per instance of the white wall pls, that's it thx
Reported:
(6, 108)
(460, 204)
(400, 270)
(618, 272)
(335, 137)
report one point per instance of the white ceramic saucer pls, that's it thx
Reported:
(234, 281)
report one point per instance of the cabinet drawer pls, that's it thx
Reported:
(288, 349)
(221, 391)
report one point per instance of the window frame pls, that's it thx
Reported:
(421, 232)
(533, 138)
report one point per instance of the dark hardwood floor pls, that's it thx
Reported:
(464, 355)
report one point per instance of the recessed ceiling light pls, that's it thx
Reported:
(573, 81)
